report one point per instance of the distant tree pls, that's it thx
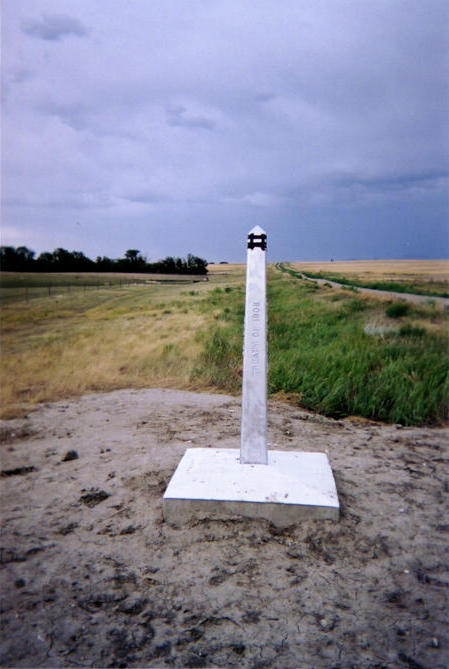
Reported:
(8, 258)
(133, 262)
(168, 265)
(19, 259)
(105, 264)
(132, 255)
(63, 260)
(196, 265)
(81, 263)
(25, 253)
(45, 262)
(22, 259)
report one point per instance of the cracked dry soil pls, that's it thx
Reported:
(92, 576)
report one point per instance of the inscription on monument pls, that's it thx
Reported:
(255, 334)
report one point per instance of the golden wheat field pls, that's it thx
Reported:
(382, 270)
(226, 268)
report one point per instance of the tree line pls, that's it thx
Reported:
(22, 259)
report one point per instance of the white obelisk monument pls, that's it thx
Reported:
(283, 487)
(253, 446)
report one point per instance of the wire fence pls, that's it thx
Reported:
(54, 290)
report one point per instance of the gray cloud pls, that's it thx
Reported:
(73, 114)
(179, 116)
(145, 197)
(404, 181)
(53, 27)
(183, 120)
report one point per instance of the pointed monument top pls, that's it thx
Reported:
(257, 238)
(257, 230)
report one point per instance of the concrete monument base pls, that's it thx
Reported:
(212, 483)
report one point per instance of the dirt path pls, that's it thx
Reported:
(92, 576)
(408, 297)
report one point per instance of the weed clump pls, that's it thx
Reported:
(408, 330)
(219, 364)
(355, 306)
(397, 310)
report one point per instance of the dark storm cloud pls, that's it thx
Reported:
(53, 27)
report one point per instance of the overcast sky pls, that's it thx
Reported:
(175, 126)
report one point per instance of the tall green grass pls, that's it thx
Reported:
(319, 352)
(325, 356)
(220, 363)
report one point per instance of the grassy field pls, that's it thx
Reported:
(28, 285)
(423, 277)
(330, 351)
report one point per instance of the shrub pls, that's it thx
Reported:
(397, 310)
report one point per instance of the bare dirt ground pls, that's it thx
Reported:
(92, 576)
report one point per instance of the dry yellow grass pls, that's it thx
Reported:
(234, 269)
(381, 270)
(70, 344)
